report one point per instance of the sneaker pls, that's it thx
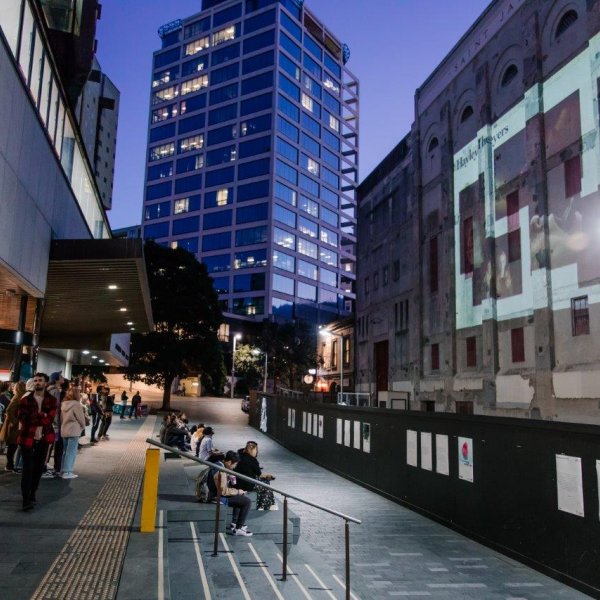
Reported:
(8, 469)
(231, 529)
(243, 531)
(49, 475)
(69, 476)
(273, 507)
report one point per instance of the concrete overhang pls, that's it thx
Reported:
(95, 288)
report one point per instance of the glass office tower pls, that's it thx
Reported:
(253, 157)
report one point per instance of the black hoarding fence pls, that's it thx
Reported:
(524, 487)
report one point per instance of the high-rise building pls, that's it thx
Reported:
(98, 115)
(253, 157)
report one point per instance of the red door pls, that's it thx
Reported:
(381, 366)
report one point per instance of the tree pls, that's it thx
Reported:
(186, 316)
(247, 365)
(292, 351)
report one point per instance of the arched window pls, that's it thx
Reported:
(433, 144)
(509, 74)
(565, 22)
(467, 113)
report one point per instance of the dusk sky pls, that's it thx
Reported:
(394, 46)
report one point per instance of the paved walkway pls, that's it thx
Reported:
(395, 552)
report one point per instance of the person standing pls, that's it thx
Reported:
(57, 383)
(10, 427)
(135, 402)
(36, 413)
(124, 398)
(96, 412)
(107, 404)
(72, 422)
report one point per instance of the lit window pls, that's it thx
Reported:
(192, 143)
(312, 166)
(181, 206)
(334, 123)
(307, 102)
(331, 85)
(222, 197)
(196, 46)
(163, 151)
(224, 35)
(174, 245)
(165, 94)
(193, 85)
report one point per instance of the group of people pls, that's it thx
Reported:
(43, 419)
(176, 432)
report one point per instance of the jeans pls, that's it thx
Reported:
(106, 421)
(33, 464)
(95, 423)
(69, 454)
(133, 410)
(58, 455)
(241, 507)
(10, 455)
(123, 409)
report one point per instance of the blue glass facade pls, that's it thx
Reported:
(255, 104)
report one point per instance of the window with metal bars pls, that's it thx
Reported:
(580, 316)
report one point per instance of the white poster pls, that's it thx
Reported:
(339, 432)
(442, 463)
(569, 484)
(411, 448)
(357, 435)
(347, 430)
(366, 435)
(426, 451)
(315, 430)
(320, 426)
(263, 415)
(294, 418)
(289, 417)
(598, 488)
(465, 459)
(303, 421)
(309, 423)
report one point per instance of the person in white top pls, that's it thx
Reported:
(72, 423)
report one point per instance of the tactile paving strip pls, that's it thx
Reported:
(89, 565)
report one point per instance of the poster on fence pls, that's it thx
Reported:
(426, 451)
(320, 426)
(339, 437)
(366, 435)
(598, 488)
(411, 448)
(442, 463)
(465, 459)
(569, 484)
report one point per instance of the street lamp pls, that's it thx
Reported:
(326, 333)
(256, 352)
(236, 337)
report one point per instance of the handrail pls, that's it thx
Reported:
(347, 519)
(253, 481)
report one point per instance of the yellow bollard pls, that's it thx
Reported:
(150, 492)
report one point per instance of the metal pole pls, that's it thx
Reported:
(285, 537)
(342, 367)
(265, 376)
(217, 517)
(347, 535)
(233, 366)
(18, 351)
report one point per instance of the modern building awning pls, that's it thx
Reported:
(95, 288)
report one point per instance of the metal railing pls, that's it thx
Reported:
(347, 519)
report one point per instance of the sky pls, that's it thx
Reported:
(393, 50)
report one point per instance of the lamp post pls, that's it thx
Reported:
(326, 333)
(256, 352)
(236, 337)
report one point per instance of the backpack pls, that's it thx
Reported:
(203, 492)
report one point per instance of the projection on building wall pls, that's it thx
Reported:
(506, 238)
